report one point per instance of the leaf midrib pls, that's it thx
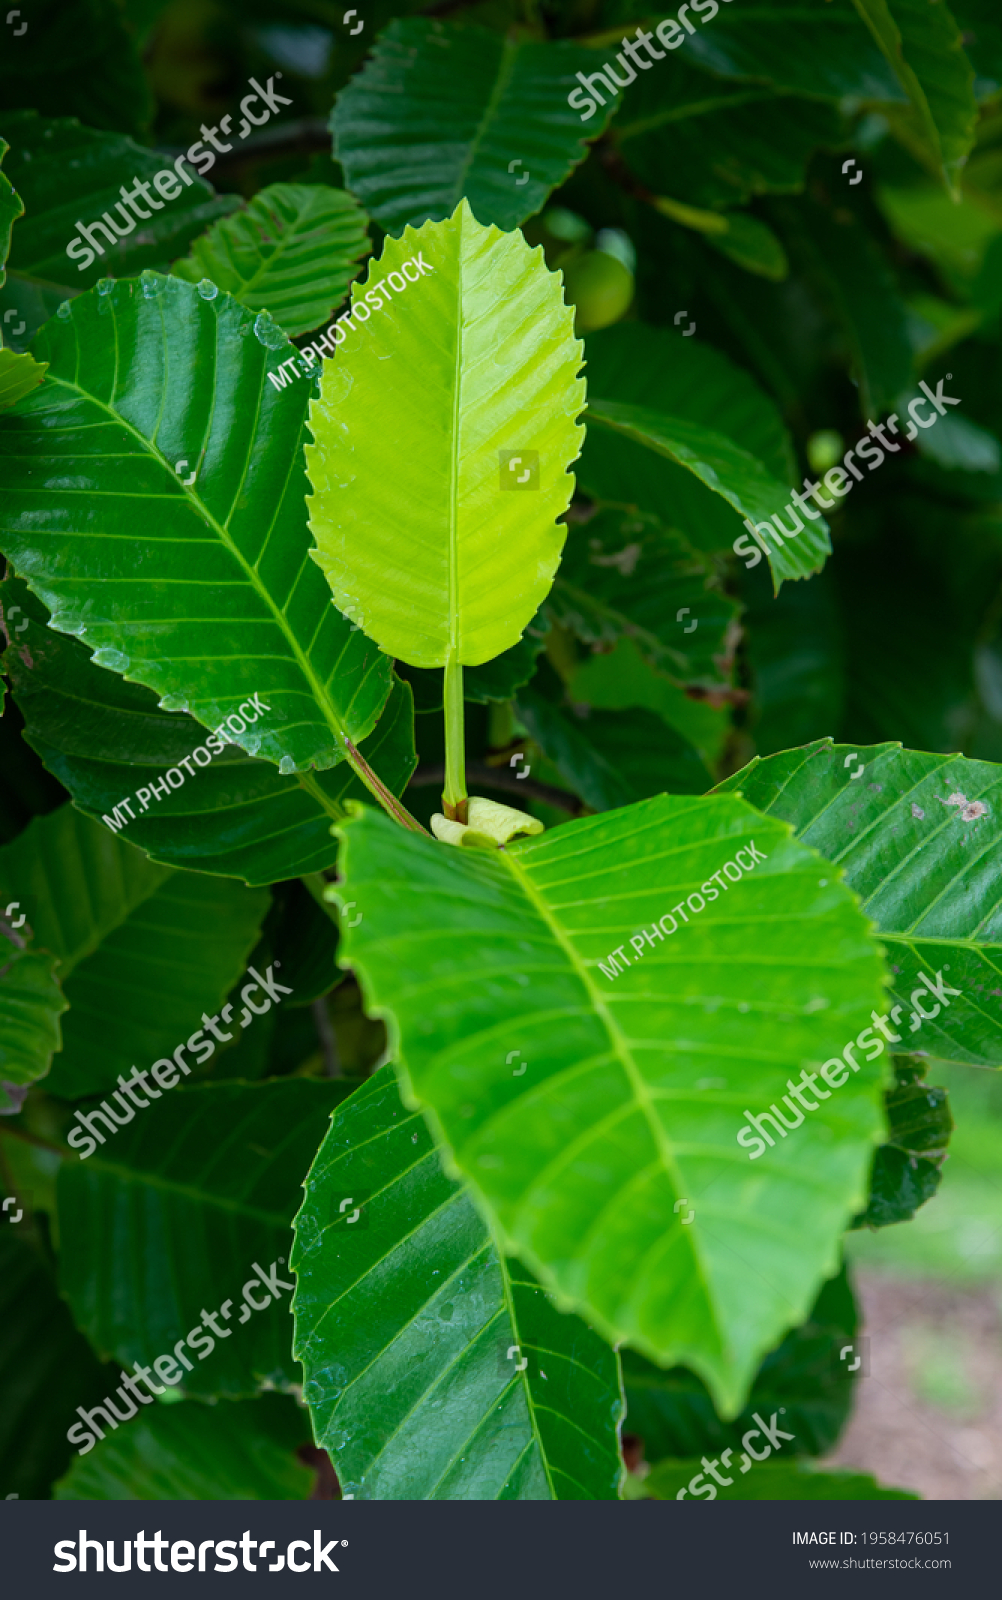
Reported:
(617, 1044)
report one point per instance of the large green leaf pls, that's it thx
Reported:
(924, 47)
(767, 1480)
(628, 577)
(673, 1414)
(46, 1370)
(636, 1084)
(918, 838)
(202, 591)
(484, 366)
(440, 112)
(739, 478)
(107, 737)
(170, 1215)
(43, 150)
(475, 1388)
(231, 1451)
(294, 252)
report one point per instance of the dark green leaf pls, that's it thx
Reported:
(231, 1451)
(107, 737)
(923, 45)
(624, 576)
(43, 149)
(76, 57)
(918, 838)
(739, 478)
(145, 990)
(170, 1215)
(472, 1388)
(610, 758)
(440, 112)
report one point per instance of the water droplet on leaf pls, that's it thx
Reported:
(207, 289)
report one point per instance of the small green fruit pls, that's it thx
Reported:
(599, 287)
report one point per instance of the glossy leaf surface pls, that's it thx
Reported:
(469, 365)
(636, 1085)
(918, 838)
(435, 1367)
(437, 112)
(202, 591)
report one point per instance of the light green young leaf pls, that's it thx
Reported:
(924, 47)
(919, 838)
(202, 590)
(440, 112)
(471, 1387)
(169, 1216)
(636, 1085)
(293, 252)
(243, 1450)
(739, 478)
(467, 364)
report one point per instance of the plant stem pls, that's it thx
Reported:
(454, 794)
(377, 788)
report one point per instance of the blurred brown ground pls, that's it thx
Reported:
(928, 1416)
